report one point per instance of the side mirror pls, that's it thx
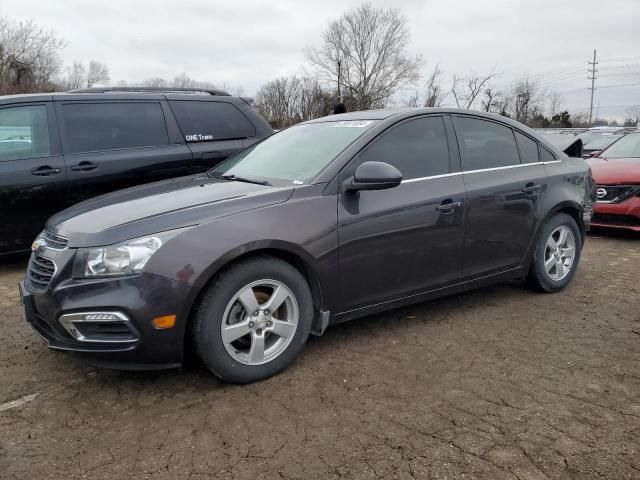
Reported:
(374, 176)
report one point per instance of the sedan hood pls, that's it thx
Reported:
(158, 207)
(615, 171)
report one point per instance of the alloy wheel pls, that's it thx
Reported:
(560, 253)
(259, 322)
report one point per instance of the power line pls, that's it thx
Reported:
(620, 59)
(619, 74)
(618, 86)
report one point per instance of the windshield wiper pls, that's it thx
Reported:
(241, 179)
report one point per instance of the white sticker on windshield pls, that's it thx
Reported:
(298, 182)
(353, 123)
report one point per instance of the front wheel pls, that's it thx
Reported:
(254, 320)
(556, 255)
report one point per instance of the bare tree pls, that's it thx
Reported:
(414, 100)
(555, 103)
(185, 81)
(154, 82)
(466, 89)
(364, 53)
(96, 73)
(633, 114)
(492, 100)
(528, 98)
(289, 100)
(29, 57)
(75, 76)
(434, 88)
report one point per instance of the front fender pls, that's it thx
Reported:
(305, 227)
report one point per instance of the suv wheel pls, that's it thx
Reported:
(254, 320)
(556, 254)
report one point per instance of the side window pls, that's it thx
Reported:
(92, 127)
(485, 144)
(24, 132)
(528, 148)
(203, 121)
(546, 155)
(417, 148)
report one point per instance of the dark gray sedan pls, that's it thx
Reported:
(324, 222)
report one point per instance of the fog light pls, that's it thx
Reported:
(167, 321)
(109, 327)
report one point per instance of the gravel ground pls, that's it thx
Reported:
(499, 383)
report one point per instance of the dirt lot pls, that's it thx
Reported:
(499, 383)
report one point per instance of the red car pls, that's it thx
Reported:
(617, 174)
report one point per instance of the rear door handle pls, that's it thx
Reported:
(84, 166)
(45, 171)
(531, 188)
(447, 206)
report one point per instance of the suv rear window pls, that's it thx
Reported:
(107, 126)
(203, 121)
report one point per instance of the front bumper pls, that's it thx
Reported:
(624, 215)
(140, 298)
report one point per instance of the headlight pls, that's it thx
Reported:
(126, 258)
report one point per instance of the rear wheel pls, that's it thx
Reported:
(254, 320)
(556, 255)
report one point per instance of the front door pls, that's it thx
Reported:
(408, 239)
(32, 174)
(503, 192)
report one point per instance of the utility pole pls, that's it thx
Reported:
(339, 72)
(592, 71)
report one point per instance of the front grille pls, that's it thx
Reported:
(609, 219)
(54, 241)
(615, 193)
(40, 272)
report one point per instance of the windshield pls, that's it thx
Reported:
(628, 146)
(602, 142)
(297, 154)
(587, 137)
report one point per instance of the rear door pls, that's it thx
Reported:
(32, 173)
(109, 145)
(214, 130)
(503, 191)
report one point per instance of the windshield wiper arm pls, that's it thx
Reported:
(242, 179)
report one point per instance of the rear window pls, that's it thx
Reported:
(528, 148)
(547, 156)
(203, 121)
(107, 126)
(485, 144)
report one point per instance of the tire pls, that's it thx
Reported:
(551, 269)
(223, 313)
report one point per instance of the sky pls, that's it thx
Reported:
(249, 42)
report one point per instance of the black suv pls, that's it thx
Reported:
(323, 222)
(59, 149)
